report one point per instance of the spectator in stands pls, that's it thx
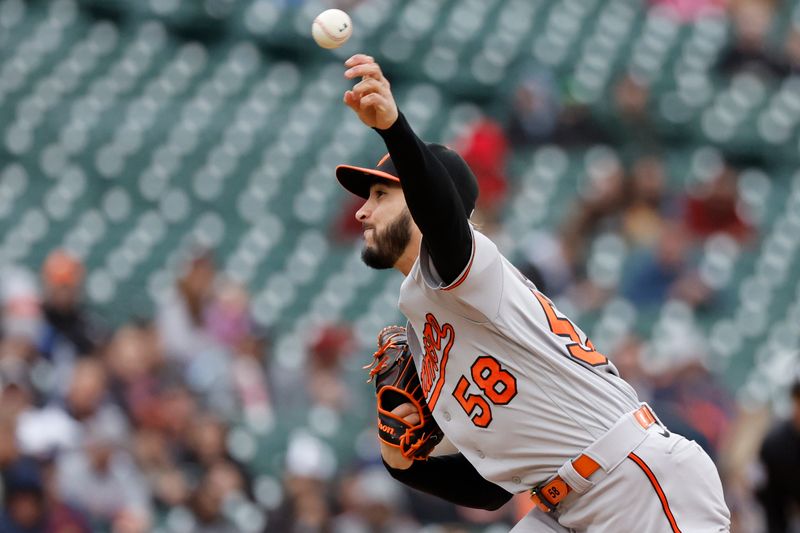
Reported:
(17, 393)
(206, 450)
(627, 357)
(154, 458)
(780, 492)
(211, 372)
(250, 381)
(325, 379)
(534, 112)
(63, 424)
(15, 399)
(32, 503)
(134, 359)
(650, 204)
(228, 315)
(310, 466)
(181, 316)
(599, 208)
(69, 324)
(20, 317)
(101, 477)
(9, 451)
(696, 396)
(178, 408)
(373, 502)
(206, 505)
(578, 126)
(664, 271)
(23, 498)
(632, 125)
(485, 148)
(689, 399)
(713, 207)
(749, 52)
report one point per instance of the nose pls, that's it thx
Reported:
(363, 212)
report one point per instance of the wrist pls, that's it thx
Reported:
(395, 126)
(394, 459)
(397, 466)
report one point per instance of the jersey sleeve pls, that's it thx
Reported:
(479, 286)
(431, 197)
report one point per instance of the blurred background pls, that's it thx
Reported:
(184, 313)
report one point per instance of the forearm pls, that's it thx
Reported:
(452, 478)
(432, 199)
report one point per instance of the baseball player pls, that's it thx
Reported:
(515, 386)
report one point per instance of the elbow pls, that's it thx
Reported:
(493, 504)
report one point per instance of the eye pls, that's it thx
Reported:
(379, 193)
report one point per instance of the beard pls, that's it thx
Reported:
(389, 244)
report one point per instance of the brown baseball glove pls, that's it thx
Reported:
(396, 383)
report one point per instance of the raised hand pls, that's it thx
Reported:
(371, 98)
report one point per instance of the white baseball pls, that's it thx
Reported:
(332, 28)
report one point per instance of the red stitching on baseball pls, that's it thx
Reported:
(328, 33)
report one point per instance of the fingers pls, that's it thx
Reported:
(358, 59)
(404, 409)
(407, 412)
(373, 100)
(365, 70)
(367, 86)
(365, 94)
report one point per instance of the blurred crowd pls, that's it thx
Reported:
(107, 429)
(134, 427)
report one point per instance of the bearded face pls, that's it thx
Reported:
(388, 244)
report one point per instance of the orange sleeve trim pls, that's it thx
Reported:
(463, 277)
(659, 491)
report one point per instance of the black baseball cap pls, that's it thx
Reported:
(358, 180)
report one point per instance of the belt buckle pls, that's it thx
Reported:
(556, 488)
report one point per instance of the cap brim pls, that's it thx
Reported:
(358, 180)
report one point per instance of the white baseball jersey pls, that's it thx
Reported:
(516, 386)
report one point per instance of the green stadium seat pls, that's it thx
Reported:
(606, 260)
(616, 321)
(717, 263)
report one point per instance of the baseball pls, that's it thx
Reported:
(332, 28)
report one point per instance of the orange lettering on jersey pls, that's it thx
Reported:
(561, 326)
(437, 341)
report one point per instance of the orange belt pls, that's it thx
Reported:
(548, 496)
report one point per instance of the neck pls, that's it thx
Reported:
(410, 254)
